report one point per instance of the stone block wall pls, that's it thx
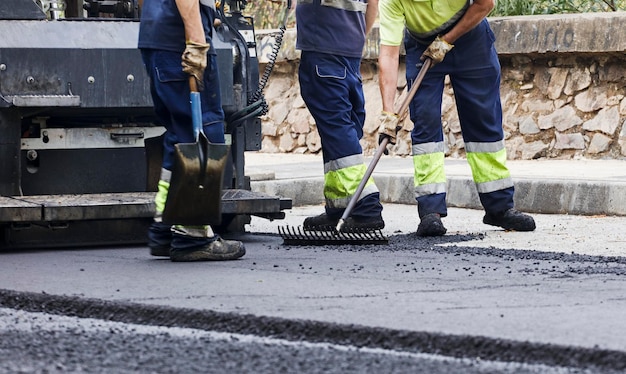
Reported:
(563, 91)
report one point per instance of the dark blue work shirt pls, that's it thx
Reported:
(331, 26)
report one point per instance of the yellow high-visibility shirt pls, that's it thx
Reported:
(422, 17)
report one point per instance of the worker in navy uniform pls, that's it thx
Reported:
(331, 37)
(175, 42)
(456, 36)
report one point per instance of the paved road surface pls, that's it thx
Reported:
(552, 297)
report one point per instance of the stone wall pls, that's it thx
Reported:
(563, 91)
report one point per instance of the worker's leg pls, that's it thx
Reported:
(476, 84)
(427, 143)
(212, 112)
(332, 90)
(170, 92)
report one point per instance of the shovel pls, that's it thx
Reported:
(195, 193)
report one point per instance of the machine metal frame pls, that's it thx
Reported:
(80, 147)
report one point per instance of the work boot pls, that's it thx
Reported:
(510, 220)
(354, 224)
(216, 250)
(160, 239)
(322, 222)
(431, 225)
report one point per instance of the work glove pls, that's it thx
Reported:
(388, 129)
(437, 50)
(195, 60)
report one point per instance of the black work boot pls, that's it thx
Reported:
(363, 224)
(322, 222)
(431, 225)
(510, 220)
(216, 250)
(160, 239)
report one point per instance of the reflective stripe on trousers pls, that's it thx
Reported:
(488, 164)
(342, 178)
(429, 178)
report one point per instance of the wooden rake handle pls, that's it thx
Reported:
(193, 84)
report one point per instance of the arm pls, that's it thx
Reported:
(194, 58)
(388, 61)
(370, 15)
(474, 15)
(190, 13)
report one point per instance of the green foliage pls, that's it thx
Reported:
(269, 14)
(525, 7)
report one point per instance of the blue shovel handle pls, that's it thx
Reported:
(196, 108)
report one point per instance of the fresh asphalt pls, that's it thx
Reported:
(554, 297)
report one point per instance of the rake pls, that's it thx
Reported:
(335, 236)
(299, 236)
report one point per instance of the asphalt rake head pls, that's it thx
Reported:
(299, 236)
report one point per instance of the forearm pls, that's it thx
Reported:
(474, 15)
(370, 15)
(190, 13)
(388, 61)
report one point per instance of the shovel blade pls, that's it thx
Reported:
(195, 193)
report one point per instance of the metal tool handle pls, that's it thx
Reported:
(401, 113)
(196, 107)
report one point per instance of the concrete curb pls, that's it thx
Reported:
(533, 196)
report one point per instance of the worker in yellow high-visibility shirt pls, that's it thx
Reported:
(456, 36)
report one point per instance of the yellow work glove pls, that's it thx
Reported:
(389, 127)
(437, 50)
(195, 60)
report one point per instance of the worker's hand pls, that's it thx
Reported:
(388, 128)
(195, 60)
(437, 50)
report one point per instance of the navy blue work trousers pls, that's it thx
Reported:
(332, 88)
(474, 71)
(169, 87)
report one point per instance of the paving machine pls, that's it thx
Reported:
(80, 148)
